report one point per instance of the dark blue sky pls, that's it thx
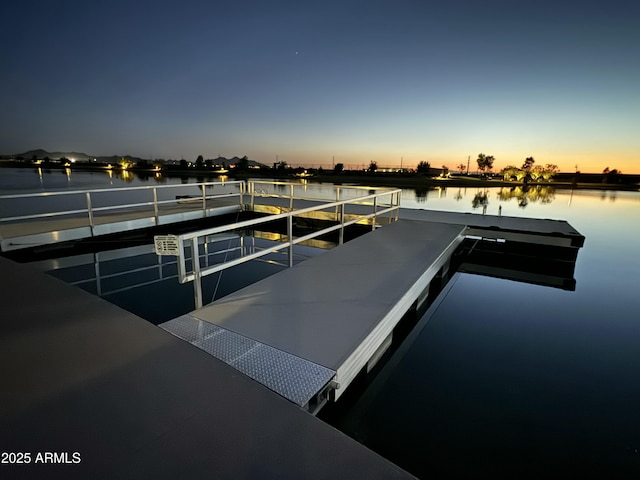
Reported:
(361, 81)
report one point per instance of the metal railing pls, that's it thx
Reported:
(193, 240)
(260, 188)
(90, 210)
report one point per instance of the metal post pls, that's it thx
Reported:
(204, 201)
(337, 198)
(291, 196)
(341, 237)
(290, 238)
(197, 277)
(252, 192)
(375, 210)
(155, 205)
(89, 211)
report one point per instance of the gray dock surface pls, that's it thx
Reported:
(329, 309)
(82, 375)
(528, 228)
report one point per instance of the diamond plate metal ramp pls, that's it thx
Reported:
(294, 378)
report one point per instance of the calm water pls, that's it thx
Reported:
(504, 379)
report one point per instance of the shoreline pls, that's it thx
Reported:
(405, 180)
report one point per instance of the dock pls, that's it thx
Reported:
(81, 375)
(328, 316)
(230, 389)
(105, 211)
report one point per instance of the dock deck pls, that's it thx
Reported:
(529, 230)
(324, 319)
(82, 375)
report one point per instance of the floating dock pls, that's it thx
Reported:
(308, 331)
(106, 211)
(81, 375)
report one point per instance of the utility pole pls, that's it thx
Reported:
(468, 163)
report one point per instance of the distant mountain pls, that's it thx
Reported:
(78, 156)
(40, 154)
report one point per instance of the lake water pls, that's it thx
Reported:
(502, 379)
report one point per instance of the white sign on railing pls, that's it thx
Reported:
(167, 245)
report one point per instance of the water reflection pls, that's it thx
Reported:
(525, 194)
(481, 197)
(422, 194)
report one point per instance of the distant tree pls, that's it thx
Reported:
(373, 166)
(485, 162)
(34, 158)
(528, 164)
(423, 167)
(536, 173)
(199, 162)
(613, 176)
(550, 171)
(461, 167)
(243, 164)
(338, 167)
(445, 170)
(208, 163)
(511, 172)
(281, 165)
(184, 163)
(605, 171)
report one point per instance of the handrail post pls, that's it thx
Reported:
(337, 198)
(375, 211)
(290, 238)
(89, 211)
(182, 268)
(291, 196)
(204, 201)
(252, 192)
(197, 277)
(155, 206)
(341, 236)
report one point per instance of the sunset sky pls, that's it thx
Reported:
(309, 81)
